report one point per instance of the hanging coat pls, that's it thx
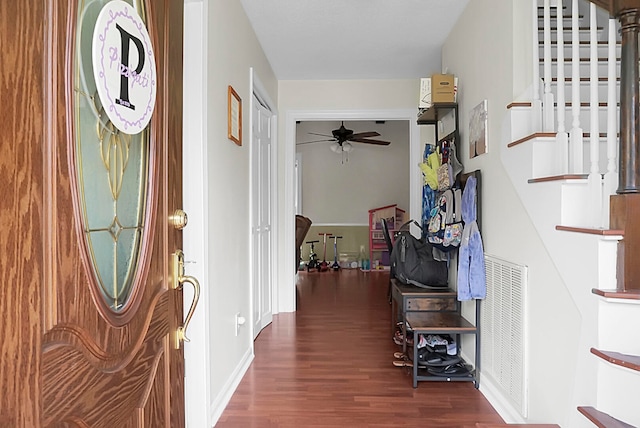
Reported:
(471, 269)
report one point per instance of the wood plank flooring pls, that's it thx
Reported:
(330, 365)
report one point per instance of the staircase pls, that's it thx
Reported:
(563, 162)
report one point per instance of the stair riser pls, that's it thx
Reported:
(618, 387)
(584, 35)
(585, 119)
(584, 51)
(566, 19)
(585, 91)
(575, 197)
(584, 69)
(618, 326)
(618, 391)
(522, 124)
(546, 161)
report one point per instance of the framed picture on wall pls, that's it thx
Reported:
(478, 141)
(234, 119)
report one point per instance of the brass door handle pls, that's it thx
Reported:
(179, 279)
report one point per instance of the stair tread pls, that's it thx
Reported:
(619, 359)
(601, 419)
(581, 42)
(585, 135)
(581, 28)
(581, 59)
(479, 425)
(591, 231)
(630, 294)
(585, 79)
(531, 137)
(569, 104)
(558, 178)
(519, 104)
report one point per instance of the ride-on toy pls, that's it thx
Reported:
(313, 257)
(335, 265)
(324, 266)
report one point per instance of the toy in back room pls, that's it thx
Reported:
(313, 257)
(324, 266)
(335, 265)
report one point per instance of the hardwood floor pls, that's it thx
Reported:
(330, 365)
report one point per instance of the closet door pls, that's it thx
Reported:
(261, 217)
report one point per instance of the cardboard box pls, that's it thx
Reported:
(439, 88)
(442, 88)
(425, 93)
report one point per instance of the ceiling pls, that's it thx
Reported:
(353, 39)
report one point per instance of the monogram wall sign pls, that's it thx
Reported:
(124, 67)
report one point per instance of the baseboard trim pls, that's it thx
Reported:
(223, 398)
(499, 402)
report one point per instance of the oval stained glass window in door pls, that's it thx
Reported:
(112, 174)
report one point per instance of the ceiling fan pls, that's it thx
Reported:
(343, 137)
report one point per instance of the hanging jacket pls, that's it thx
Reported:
(428, 194)
(471, 269)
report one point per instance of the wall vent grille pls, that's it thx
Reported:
(503, 330)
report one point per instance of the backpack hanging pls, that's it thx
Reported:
(445, 225)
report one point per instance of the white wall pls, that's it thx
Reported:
(335, 100)
(480, 51)
(222, 45)
(340, 188)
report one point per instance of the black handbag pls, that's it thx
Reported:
(413, 263)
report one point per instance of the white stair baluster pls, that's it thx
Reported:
(536, 103)
(595, 179)
(576, 143)
(562, 139)
(547, 103)
(611, 176)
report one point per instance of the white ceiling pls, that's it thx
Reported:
(353, 39)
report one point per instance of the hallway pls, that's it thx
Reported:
(330, 365)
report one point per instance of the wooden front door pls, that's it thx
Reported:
(92, 314)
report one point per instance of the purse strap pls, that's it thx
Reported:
(405, 226)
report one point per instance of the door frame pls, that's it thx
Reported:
(258, 89)
(197, 382)
(287, 282)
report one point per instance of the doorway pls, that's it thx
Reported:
(286, 289)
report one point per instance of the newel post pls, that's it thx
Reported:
(629, 153)
(625, 205)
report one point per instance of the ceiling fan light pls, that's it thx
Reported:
(347, 147)
(335, 147)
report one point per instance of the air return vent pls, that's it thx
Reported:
(503, 330)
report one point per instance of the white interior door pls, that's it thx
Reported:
(261, 216)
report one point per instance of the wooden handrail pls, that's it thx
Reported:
(604, 4)
(615, 7)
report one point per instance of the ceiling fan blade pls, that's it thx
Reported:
(367, 141)
(364, 135)
(314, 141)
(322, 135)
